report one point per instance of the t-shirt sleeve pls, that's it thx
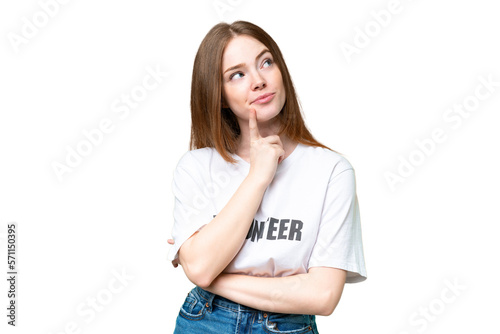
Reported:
(339, 241)
(192, 207)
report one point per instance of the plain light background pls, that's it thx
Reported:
(113, 212)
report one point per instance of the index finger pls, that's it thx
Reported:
(252, 124)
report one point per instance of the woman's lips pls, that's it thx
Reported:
(264, 99)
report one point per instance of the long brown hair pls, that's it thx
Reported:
(213, 125)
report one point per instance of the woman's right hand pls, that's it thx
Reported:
(265, 152)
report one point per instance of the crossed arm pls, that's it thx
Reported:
(317, 292)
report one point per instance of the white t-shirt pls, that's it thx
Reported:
(308, 217)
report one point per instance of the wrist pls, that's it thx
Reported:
(256, 180)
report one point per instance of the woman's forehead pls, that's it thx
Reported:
(241, 48)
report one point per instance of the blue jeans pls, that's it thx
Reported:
(205, 313)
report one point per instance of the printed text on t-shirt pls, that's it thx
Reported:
(276, 229)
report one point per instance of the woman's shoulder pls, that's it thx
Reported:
(197, 155)
(325, 156)
(198, 159)
(329, 164)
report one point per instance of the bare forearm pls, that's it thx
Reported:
(297, 294)
(216, 244)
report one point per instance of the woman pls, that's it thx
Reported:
(266, 219)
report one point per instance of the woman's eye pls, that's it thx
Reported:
(238, 75)
(235, 74)
(268, 61)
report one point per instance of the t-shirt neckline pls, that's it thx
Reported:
(284, 164)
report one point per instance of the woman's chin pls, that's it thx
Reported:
(265, 113)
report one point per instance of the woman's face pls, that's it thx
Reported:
(251, 79)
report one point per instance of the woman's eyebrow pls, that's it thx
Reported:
(243, 64)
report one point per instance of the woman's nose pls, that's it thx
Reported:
(258, 82)
(259, 85)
